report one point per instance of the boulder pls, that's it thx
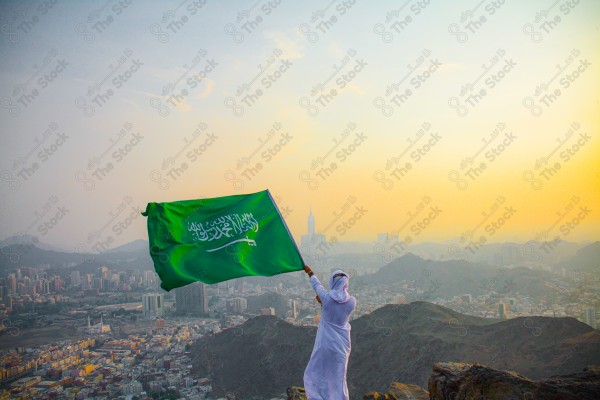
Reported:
(459, 381)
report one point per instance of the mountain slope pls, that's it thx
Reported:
(28, 240)
(397, 342)
(586, 259)
(455, 277)
(139, 245)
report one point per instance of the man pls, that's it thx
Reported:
(325, 374)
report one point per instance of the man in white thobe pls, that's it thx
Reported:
(325, 374)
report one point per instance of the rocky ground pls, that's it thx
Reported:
(460, 381)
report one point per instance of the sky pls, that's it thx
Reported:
(465, 121)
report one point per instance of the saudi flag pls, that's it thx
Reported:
(221, 238)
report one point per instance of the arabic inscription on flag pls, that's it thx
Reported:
(229, 226)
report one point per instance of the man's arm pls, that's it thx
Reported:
(314, 281)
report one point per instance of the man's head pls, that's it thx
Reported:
(337, 277)
(338, 286)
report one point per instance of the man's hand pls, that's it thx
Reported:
(308, 270)
(319, 299)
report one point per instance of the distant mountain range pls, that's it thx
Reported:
(456, 277)
(28, 240)
(27, 251)
(587, 259)
(265, 355)
(137, 246)
(500, 254)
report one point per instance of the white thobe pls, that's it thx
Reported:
(325, 374)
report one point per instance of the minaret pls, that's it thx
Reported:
(89, 320)
(101, 323)
(311, 224)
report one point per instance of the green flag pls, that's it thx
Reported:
(221, 238)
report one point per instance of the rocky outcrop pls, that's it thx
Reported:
(296, 393)
(396, 391)
(458, 381)
(400, 391)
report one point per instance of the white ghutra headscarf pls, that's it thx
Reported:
(338, 287)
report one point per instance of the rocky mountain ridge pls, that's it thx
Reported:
(395, 343)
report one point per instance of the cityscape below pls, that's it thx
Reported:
(100, 325)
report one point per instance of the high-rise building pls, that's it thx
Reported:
(57, 284)
(75, 278)
(102, 272)
(45, 286)
(311, 223)
(88, 281)
(11, 283)
(590, 317)
(312, 240)
(153, 305)
(148, 277)
(294, 309)
(192, 299)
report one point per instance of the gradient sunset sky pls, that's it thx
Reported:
(442, 119)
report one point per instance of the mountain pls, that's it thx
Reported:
(29, 240)
(587, 259)
(455, 277)
(139, 245)
(499, 254)
(397, 342)
(30, 255)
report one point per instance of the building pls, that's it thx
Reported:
(97, 329)
(267, 311)
(102, 272)
(236, 305)
(11, 283)
(387, 238)
(590, 317)
(294, 309)
(312, 241)
(153, 305)
(240, 305)
(503, 309)
(312, 227)
(513, 304)
(192, 299)
(75, 278)
(400, 299)
(132, 388)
